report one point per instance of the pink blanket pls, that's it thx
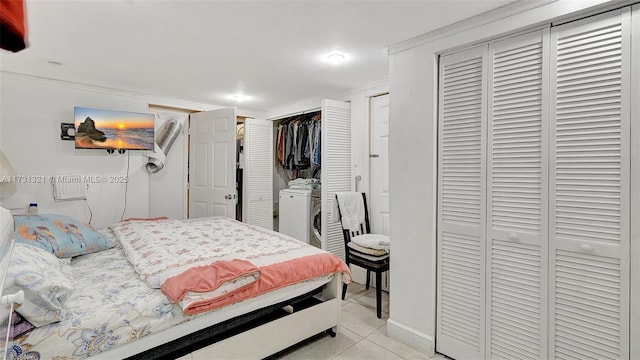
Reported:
(229, 276)
(271, 277)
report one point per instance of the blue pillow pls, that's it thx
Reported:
(58, 234)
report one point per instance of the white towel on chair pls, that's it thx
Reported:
(351, 209)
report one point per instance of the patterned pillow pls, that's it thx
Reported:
(47, 283)
(59, 234)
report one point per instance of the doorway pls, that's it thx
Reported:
(379, 164)
(379, 169)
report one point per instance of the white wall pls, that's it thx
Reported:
(31, 110)
(168, 187)
(412, 200)
(413, 157)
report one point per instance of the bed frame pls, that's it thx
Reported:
(255, 335)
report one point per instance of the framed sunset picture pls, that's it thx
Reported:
(112, 129)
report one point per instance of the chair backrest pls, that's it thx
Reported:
(364, 227)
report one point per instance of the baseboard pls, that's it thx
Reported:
(411, 337)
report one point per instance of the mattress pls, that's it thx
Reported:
(112, 309)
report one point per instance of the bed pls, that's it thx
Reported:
(130, 298)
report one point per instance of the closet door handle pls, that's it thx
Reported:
(374, 155)
(514, 237)
(586, 248)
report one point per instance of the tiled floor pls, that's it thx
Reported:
(362, 335)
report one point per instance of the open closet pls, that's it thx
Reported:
(533, 193)
(267, 170)
(297, 173)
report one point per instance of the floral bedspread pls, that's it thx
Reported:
(159, 249)
(109, 306)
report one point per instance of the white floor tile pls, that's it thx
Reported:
(369, 300)
(320, 347)
(380, 338)
(362, 334)
(361, 319)
(438, 357)
(367, 350)
(356, 290)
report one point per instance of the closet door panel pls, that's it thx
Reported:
(589, 238)
(336, 168)
(634, 199)
(461, 204)
(258, 142)
(517, 198)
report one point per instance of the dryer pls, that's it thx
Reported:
(315, 233)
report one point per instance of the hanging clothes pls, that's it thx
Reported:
(281, 140)
(297, 142)
(316, 155)
(317, 152)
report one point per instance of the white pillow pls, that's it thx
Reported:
(6, 240)
(47, 283)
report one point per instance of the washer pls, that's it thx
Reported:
(295, 207)
(316, 219)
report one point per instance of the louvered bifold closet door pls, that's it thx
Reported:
(461, 204)
(258, 206)
(517, 181)
(336, 169)
(589, 237)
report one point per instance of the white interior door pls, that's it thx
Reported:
(379, 165)
(212, 162)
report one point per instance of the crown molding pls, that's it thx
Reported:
(150, 99)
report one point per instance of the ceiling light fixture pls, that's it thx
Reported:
(335, 58)
(240, 97)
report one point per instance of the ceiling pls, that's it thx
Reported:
(205, 51)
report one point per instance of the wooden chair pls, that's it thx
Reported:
(354, 255)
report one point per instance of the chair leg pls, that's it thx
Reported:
(368, 283)
(344, 286)
(379, 294)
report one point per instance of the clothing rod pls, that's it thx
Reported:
(295, 114)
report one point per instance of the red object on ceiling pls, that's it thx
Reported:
(13, 29)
